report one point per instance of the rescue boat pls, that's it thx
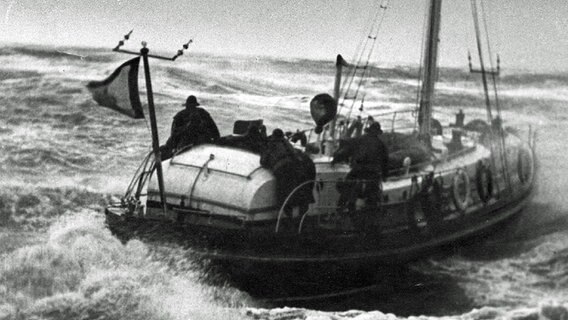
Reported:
(219, 201)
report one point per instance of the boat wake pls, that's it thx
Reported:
(78, 270)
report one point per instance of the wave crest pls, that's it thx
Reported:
(82, 271)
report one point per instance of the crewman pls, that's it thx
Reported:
(368, 157)
(279, 157)
(191, 126)
(291, 168)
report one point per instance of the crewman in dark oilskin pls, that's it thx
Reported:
(291, 168)
(368, 158)
(191, 126)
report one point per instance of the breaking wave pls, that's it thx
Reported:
(81, 271)
(63, 159)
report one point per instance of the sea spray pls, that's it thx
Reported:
(539, 273)
(34, 208)
(83, 272)
(547, 311)
(64, 154)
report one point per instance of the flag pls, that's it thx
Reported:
(120, 90)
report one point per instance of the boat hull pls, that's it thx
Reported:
(302, 267)
(247, 247)
(418, 213)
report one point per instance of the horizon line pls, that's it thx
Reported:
(383, 64)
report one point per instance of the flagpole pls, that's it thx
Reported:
(155, 140)
(150, 94)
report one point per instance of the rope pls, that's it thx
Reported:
(502, 153)
(364, 75)
(138, 175)
(371, 37)
(484, 16)
(365, 69)
(484, 80)
(358, 51)
(351, 77)
(501, 148)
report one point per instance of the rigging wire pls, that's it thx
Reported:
(480, 52)
(487, 99)
(484, 16)
(358, 53)
(502, 153)
(350, 78)
(365, 68)
(371, 37)
(358, 56)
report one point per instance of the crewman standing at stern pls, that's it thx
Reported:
(368, 158)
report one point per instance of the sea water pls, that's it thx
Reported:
(63, 158)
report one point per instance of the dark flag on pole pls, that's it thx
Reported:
(120, 90)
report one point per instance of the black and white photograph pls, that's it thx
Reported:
(283, 159)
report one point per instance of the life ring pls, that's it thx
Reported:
(431, 200)
(461, 190)
(525, 166)
(484, 182)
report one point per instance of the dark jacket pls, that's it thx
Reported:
(193, 126)
(291, 168)
(366, 153)
(275, 151)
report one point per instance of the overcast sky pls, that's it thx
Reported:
(527, 33)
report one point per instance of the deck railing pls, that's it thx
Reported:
(141, 176)
(435, 185)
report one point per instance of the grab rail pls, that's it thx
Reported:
(316, 183)
(140, 177)
(288, 198)
(416, 183)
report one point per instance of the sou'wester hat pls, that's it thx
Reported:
(375, 128)
(191, 101)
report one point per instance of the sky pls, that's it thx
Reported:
(527, 34)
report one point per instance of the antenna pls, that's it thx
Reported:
(121, 43)
(180, 51)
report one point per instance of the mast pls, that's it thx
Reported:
(336, 91)
(153, 124)
(430, 69)
(339, 64)
(144, 52)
